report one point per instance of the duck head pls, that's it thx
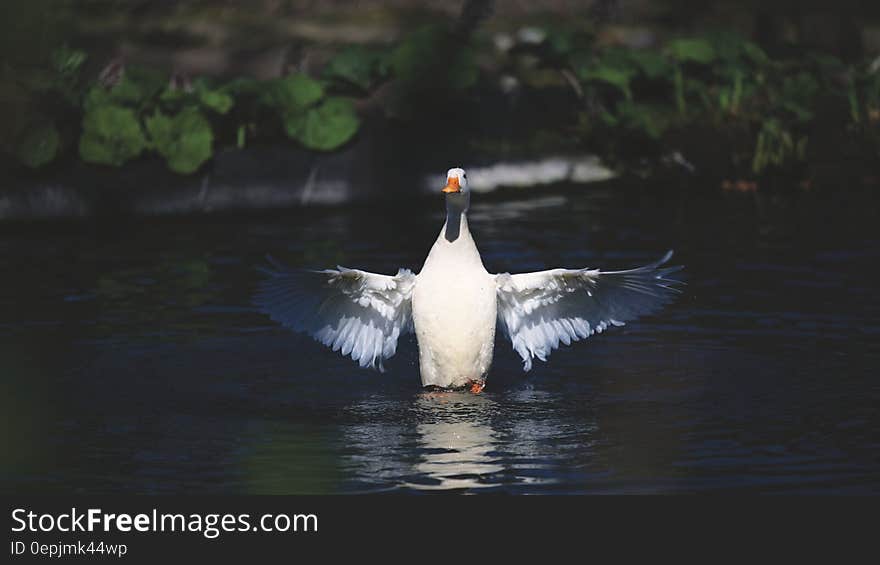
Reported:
(456, 181)
(458, 199)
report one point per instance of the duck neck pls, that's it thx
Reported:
(456, 215)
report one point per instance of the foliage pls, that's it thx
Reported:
(27, 131)
(776, 146)
(636, 99)
(326, 126)
(137, 88)
(184, 140)
(216, 100)
(626, 103)
(39, 145)
(111, 135)
(293, 94)
(863, 102)
(616, 77)
(640, 118)
(691, 50)
(315, 121)
(358, 66)
(66, 65)
(143, 111)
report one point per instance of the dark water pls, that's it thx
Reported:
(131, 360)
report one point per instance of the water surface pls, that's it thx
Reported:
(132, 360)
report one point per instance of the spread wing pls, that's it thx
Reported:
(359, 313)
(539, 310)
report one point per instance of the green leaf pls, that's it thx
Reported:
(39, 145)
(618, 58)
(801, 113)
(735, 55)
(173, 96)
(618, 78)
(129, 92)
(728, 45)
(678, 86)
(111, 136)
(241, 136)
(325, 127)
(777, 146)
(641, 118)
(356, 65)
(691, 50)
(97, 97)
(653, 65)
(66, 61)
(294, 93)
(755, 53)
(136, 88)
(185, 139)
(218, 101)
(608, 118)
(631, 62)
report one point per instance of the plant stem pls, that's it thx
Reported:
(679, 91)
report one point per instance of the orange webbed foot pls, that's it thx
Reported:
(477, 386)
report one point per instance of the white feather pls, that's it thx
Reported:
(358, 313)
(539, 310)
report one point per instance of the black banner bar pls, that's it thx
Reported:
(134, 528)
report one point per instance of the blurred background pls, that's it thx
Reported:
(152, 152)
(233, 105)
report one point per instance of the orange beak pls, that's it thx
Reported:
(451, 185)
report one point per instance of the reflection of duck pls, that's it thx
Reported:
(453, 304)
(457, 454)
(450, 440)
(439, 441)
(457, 442)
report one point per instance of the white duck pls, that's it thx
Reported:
(453, 304)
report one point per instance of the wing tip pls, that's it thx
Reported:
(661, 272)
